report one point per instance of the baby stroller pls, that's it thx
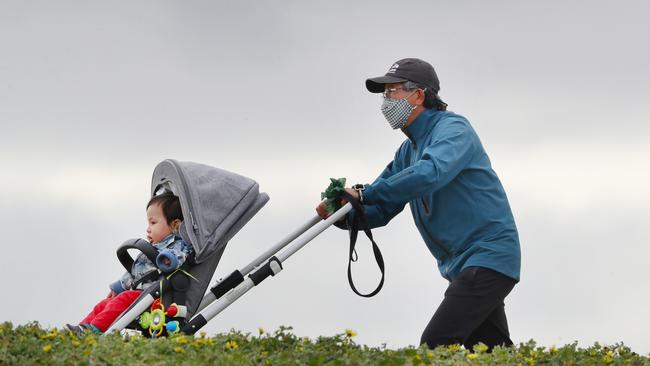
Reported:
(216, 204)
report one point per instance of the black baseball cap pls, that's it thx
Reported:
(408, 69)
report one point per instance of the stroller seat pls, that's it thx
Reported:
(216, 204)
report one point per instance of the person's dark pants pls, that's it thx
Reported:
(472, 311)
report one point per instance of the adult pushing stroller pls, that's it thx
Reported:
(216, 204)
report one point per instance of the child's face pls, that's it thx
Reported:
(158, 228)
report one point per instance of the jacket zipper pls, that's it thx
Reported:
(436, 242)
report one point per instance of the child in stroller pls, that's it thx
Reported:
(164, 216)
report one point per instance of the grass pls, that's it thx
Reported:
(30, 344)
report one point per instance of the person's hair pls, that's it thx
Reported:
(431, 99)
(170, 205)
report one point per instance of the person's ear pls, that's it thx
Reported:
(176, 224)
(421, 95)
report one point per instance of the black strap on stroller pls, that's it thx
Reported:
(361, 222)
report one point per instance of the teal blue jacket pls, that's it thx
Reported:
(457, 201)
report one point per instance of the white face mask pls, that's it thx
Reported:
(397, 111)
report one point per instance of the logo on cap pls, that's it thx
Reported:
(393, 69)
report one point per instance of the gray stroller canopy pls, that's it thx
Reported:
(216, 203)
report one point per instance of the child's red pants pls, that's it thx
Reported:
(107, 310)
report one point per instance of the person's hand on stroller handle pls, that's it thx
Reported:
(322, 212)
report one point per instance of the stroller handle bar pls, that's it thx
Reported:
(224, 285)
(321, 226)
(235, 278)
(303, 235)
(281, 244)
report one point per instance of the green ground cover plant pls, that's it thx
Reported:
(31, 344)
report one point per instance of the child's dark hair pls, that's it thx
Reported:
(171, 206)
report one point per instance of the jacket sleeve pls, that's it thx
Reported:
(124, 283)
(377, 215)
(446, 155)
(380, 215)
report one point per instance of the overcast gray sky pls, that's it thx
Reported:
(94, 94)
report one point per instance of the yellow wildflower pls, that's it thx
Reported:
(530, 361)
(182, 339)
(91, 341)
(454, 347)
(552, 350)
(179, 350)
(480, 348)
(50, 335)
(350, 333)
(47, 348)
(472, 356)
(231, 345)
(609, 357)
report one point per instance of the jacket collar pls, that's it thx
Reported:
(167, 240)
(421, 126)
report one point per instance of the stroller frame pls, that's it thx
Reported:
(214, 304)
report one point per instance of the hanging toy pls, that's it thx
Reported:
(177, 311)
(145, 320)
(155, 320)
(173, 327)
(157, 305)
